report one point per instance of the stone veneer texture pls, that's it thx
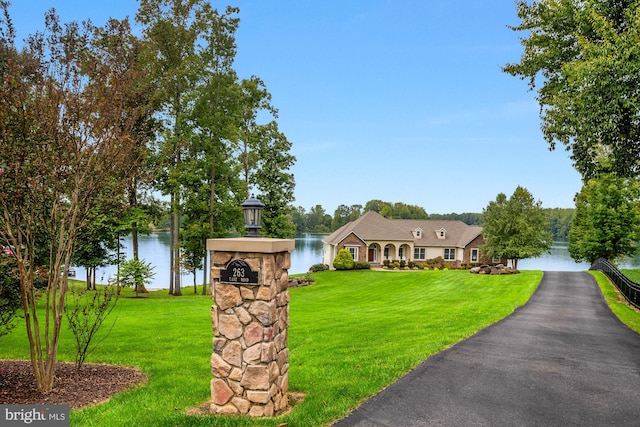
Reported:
(250, 360)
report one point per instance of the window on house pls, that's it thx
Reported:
(475, 255)
(419, 253)
(449, 254)
(353, 250)
(386, 252)
(401, 253)
(442, 234)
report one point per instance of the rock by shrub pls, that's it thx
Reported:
(493, 269)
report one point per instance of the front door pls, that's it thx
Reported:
(372, 255)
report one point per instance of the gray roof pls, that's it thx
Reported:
(374, 227)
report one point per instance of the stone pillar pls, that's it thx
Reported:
(250, 360)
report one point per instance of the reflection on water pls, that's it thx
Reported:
(155, 249)
(560, 260)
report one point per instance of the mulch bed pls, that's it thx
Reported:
(94, 384)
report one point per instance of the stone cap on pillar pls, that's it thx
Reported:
(251, 244)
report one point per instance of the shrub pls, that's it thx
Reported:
(396, 265)
(403, 263)
(386, 263)
(437, 263)
(412, 264)
(361, 265)
(318, 267)
(344, 260)
(10, 300)
(86, 311)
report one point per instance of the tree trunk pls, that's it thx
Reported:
(177, 291)
(171, 245)
(204, 275)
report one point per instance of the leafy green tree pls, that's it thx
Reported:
(299, 218)
(584, 52)
(65, 140)
(345, 214)
(186, 42)
(607, 219)
(274, 180)
(375, 205)
(560, 222)
(515, 228)
(318, 220)
(343, 260)
(266, 159)
(212, 188)
(468, 218)
(396, 210)
(135, 273)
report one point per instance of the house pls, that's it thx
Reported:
(374, 238)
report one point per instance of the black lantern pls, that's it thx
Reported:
(252, 209)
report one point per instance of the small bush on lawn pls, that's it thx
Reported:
(318, 267)
(344, 260)
(437, 263)
(361, 265)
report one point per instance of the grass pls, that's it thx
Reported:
(616, 302)
(351, 334)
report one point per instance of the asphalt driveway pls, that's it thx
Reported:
(561, 360)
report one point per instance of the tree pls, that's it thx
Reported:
(186, 41)
(318, 220)
(266, 159)
(135, 273)
(560, 222)
(515, 228)
(607, 219)
(274, 181)
(299, 218)
(345, 214)
(65, 141)
(586, 54)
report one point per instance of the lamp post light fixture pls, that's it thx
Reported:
(252, 209)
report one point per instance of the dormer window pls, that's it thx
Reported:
(441, 234)
(417, 233)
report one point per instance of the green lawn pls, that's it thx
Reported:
(351, 334)
(618, 305)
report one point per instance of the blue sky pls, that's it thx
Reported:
(402, 101)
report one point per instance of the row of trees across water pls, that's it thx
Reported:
(318, 220)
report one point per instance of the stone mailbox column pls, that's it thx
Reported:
(250, 360)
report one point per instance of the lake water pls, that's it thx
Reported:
(155, 249)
